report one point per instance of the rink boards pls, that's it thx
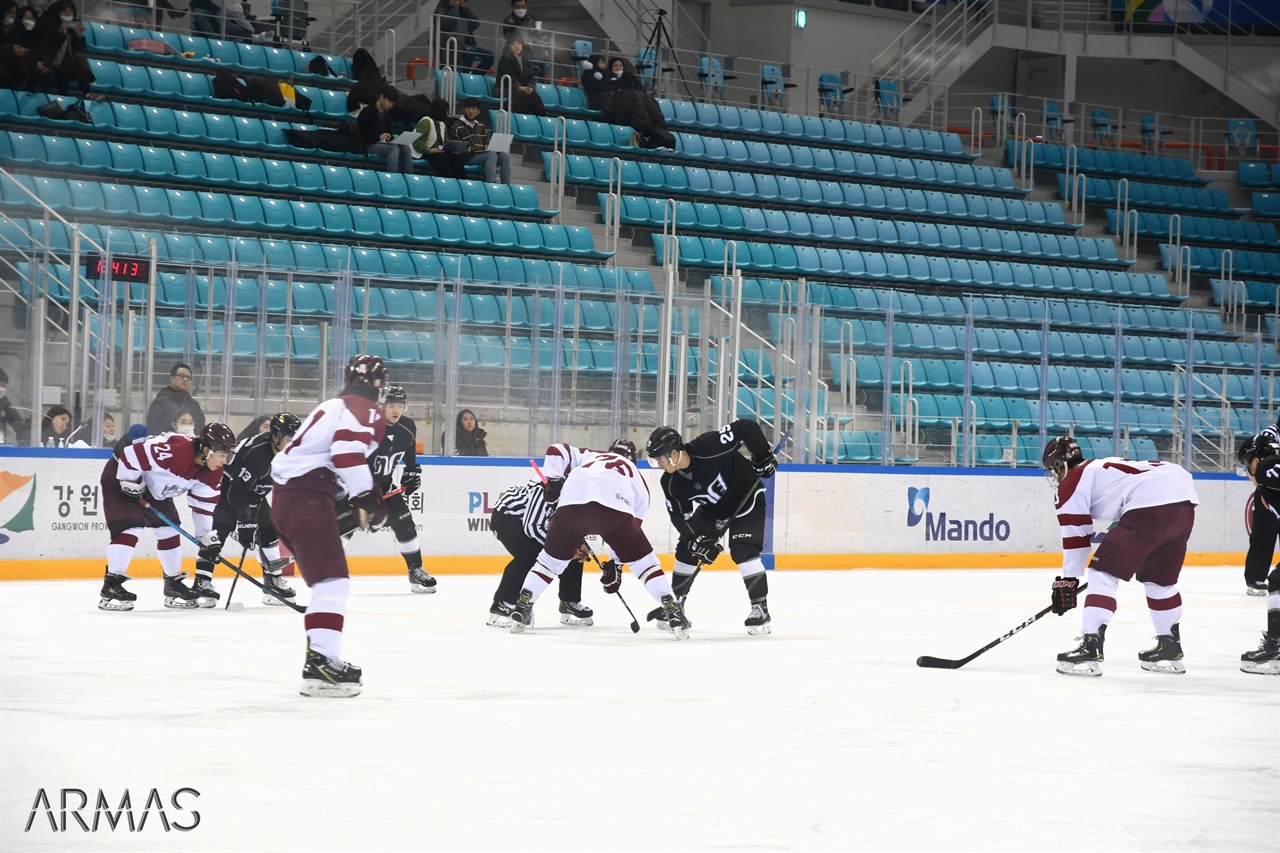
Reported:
(820, 517)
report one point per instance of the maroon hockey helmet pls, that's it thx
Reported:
(217, 437)
(365, 370)
(1060, 455)
(623, 447)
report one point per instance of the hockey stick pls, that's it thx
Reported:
(942, 663)
(635, 626)
(235, 580)
(221, 559)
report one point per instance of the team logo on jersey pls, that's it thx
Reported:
(939, 527)
(17, 503)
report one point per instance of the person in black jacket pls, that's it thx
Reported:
(27, 46)
(455, 18)
(516, 65)
(172, 400)
(622, 98)
(64, 48)
(400, 446)
(468, 437)
(374, 126)
(242, 506)
(9, 415)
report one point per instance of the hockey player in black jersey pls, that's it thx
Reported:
(400, 445)
(711, 487)
(1259, 458)
(243, 507)
(1263, 526)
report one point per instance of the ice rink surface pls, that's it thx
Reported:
(822, 736)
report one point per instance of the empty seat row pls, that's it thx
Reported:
(1082, 417)
(1025, 380)
(853, 264)
(1156, 196)
(1257, 294)
(1099, 161)
(768, 190)
(1243, 262)
(1005, 309)
(1201, 229)
(992, 450)
(1265, 205)
(195, 89)
(114, 40)
(1260, 176)
(761, 403)
(306, 256)
(561, 100)
(138, 204)
(94, 158)
(853, 446)
(726, 120)
(727, 220)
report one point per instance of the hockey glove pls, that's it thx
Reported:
(610, 576)
(766, 467)
(705, 549)
(1064, 594)
(551, 489)
(247, 535)
(210, 547)
(411, 481)
(371, 511)
(346, 518)
(246, 513)
(132, 489)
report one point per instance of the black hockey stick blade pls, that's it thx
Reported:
(943, 663)
(635, 624)
(235, 580)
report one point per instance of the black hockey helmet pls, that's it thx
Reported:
(216, 436)
(624, 447)
(284, 424)
(662, 441)
(1260, 446)
(1060, 455)
(395, 394)
(365, 370)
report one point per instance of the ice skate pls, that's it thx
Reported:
(322, 676)
(279, 585)
(420, 581)
(499, 615)
(758, 621)
(176, 595)
(208, 596)
(114, 595)
(1086, 659)
(673, 612)
(658, 616)
(522, 612)
(576, 613)
(1264, 660)
(1255, 587)
(1166, 656)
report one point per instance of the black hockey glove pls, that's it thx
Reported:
(766, 467)
(247, 535)
(1064, 594)
(348, 524)
(610, 576)
(371, 510)
(412, 481)
(551, 489)
(246, 513)
(705, 549)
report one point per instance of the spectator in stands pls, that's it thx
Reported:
(28, 48)
(183, 424)
(456, 16)
(432, 143)
(468, 437)
(257, 426)
(9, 415)
(374, 126)
(84, 433)
(172, 400)
(219, 18)
(521, 22)
(13, 56)
(55, 426)
(633, 105)
(470, 139)
(516, 65)
(63, 47)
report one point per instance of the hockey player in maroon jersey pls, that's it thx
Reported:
(601, 494)
(1259, 458)
(1154, 507)
(158, 469)
(327, 460)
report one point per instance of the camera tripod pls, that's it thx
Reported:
(652, 52)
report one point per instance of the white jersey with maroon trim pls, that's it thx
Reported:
(166, 465)
(593, 476)
(1106, 489)
(339, 435)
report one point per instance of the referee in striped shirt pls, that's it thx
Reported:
(520, 519)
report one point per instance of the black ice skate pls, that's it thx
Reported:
(322, 676)
(522, 612)
(1264, 660)
(673, 612)
(203, 587)
(277, 584)
(758, 621)
(176, 595)
(420, 581)
(114, 595)
(1255, 587)
(576, 613)
(1166, 656)
(500, 615)
(1085, 660)
(658, 616)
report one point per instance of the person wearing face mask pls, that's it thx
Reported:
(515, 64)
(633, 105)
(62, 36)
(28, 50)
(172, 400)
(183, 424)
(13, 71)
(521, 22)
